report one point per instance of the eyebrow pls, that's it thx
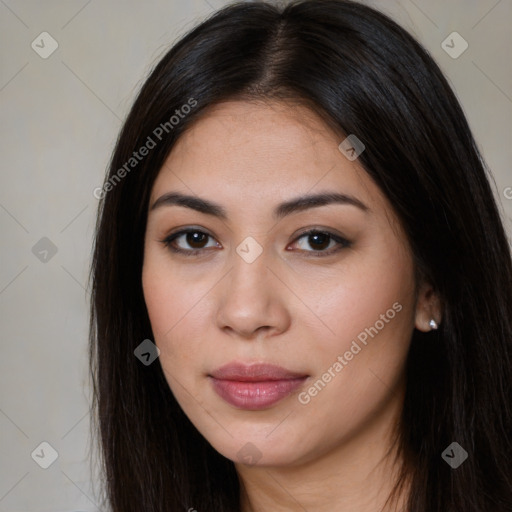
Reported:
(295, 205)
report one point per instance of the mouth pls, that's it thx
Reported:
(256, 386)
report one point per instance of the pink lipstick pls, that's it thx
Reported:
(256, 386)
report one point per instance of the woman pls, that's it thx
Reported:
(301, 282)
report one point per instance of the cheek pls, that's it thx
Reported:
(159, 296)
(360, 362)
(171, 296)
(351, 299)
(177, 308)
(165, 309)
(368, 319)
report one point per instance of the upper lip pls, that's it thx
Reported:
(254, 372)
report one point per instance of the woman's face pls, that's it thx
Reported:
(333, 310)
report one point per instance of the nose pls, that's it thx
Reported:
(252, 299)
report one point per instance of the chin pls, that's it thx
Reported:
(259, 450)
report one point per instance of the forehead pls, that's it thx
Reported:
(244, 151)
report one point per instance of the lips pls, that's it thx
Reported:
(255, 386)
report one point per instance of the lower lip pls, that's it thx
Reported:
(255, 395)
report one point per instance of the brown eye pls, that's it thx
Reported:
(322, 243)
(196, 239)
(188, 241)
(319, 241)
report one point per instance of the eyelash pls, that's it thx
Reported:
(343, 243)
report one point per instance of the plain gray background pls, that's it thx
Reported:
(60, 118)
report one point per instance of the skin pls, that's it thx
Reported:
(288, 307)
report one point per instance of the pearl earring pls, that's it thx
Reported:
(433, 324)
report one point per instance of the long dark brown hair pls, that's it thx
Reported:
(365, 76)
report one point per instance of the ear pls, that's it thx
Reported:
(428, 307)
